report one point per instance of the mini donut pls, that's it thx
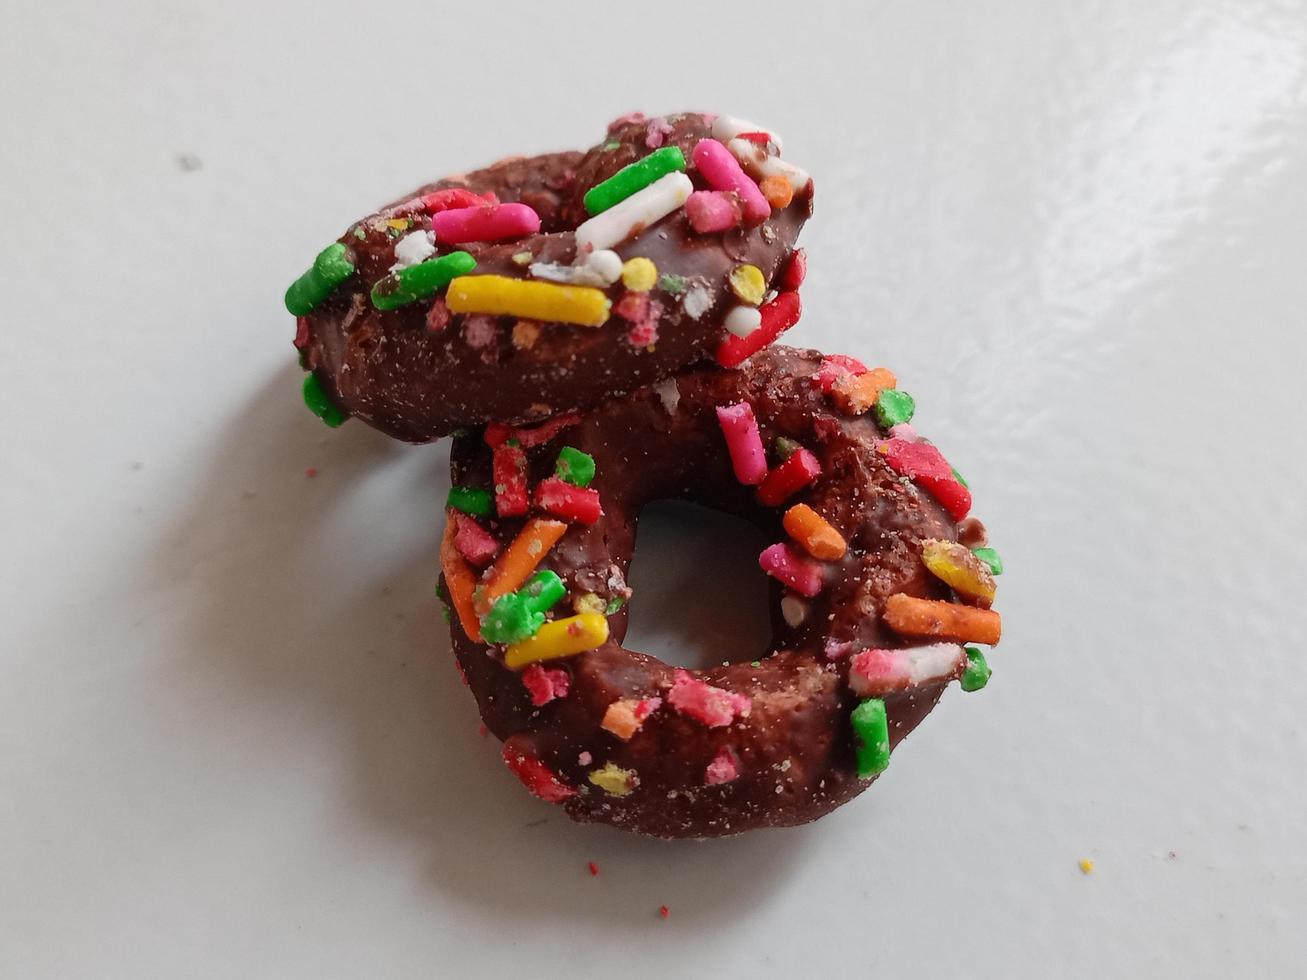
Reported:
(873, 594)
(669, 242)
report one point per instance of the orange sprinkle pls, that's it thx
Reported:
(777, 190)
(818, 537)
(942, 620)
(461, 581)
(855, 394)
(516, 562)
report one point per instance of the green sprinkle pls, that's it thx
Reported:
(615, 604)
(330, 269)
(470, 500)
(977, 673)
(755, 663)
(359, 233)
(542, 591)
(417, 281)
(575, 467)
(958, 476)
(511, 620)
(612, 144)
(871, 734)
(670, 283)
(894, 407)
(785, 447)
(315, 396)
(990, 557)
(440, 590)
(633, 177)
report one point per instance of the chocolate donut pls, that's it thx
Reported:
(603, 271)
(873, 595)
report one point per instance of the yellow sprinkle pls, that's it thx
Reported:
(1087, 866)
(615, 780)
(504, 296)
(588, 602)
(956, 566)
(748, 284)
(398, 223)
(522, 258)
(639, 274)
(561, 638)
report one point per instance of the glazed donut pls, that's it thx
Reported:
(543, 285)
(873, 594)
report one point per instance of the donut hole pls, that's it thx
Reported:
(698, 598)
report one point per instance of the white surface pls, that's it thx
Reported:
(231, 741)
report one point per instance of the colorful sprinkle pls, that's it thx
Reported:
(316, 398)
(795, 271)
(743, 442)
(455, 197)
(713, 211)
(834, 367)
(724, 768)
(601, 269)
(777, 316)
(561, 638)
(912, 616)
(742, 321)
(777, 190)
(713, 706)
(542, 591)
(673, 284)
(760, 165)
(784, 448)
(529, 438)
(510, 620)
(503, 296)
(990, 557)
(460, 582)
(536, 776)
(515, 565)
(786, 565)
(635, 214)
(472, 540)
(894, 407)
(798, 470)
(664, 911)
(958, 567)
(814, 533)
(639, 274)
(470, 500)
(623, 718)
(413, 248)
(331, 267)
(925, 465)
(727, 128)
(722, 172)
(593, 869)
(793, 610)
(978, 672)
(545, 684)
(871, 737)
(1086, 866)
(579, 505)
(632, 178)
(575, 467)
(415, 282)
(614, 780)
(485, 223)
(698, 300)
(748, 284)
(873, 673)
(855, 394)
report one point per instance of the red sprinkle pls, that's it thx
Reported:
(789, 478)
(594, 869)
(796, 270)
(835, 366)
(497, 433)
(632, 306)
(778, 316)
(473, 541)
(456, 197)
(301, 332)
(577, 504)
(755, 136)
(664, 911)
(536, 776)
(482, 730)
(509, 474)
(926, 465)
(311, 472)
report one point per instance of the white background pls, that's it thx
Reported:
(231, 739)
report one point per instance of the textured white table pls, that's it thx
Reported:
(231, 740)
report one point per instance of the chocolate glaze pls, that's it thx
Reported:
(391, 371)
(795, 748)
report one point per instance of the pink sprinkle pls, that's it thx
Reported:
(838, 648)
(904, 431)
(546, 683)
(783, 563)
(482, 730)
(489, 223)
(722, 172)
(723, 768)
(656, 132)
(710, 211)
(835, 366)
(873, 673)
(479, 330)
(748, 458)
(438, 315)
(584, 759)
(473, 541)
(632, 306)
(701, 701)
(643, 334)
(620, 121)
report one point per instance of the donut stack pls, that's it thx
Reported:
(597, 331)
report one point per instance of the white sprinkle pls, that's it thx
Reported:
(793, 610)
(605, 264)
(743, 320)
(415, 247)
(637, 212)
(726, 128)
(669, 394)
(698, 301)
(602, 268)
(758, 164)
